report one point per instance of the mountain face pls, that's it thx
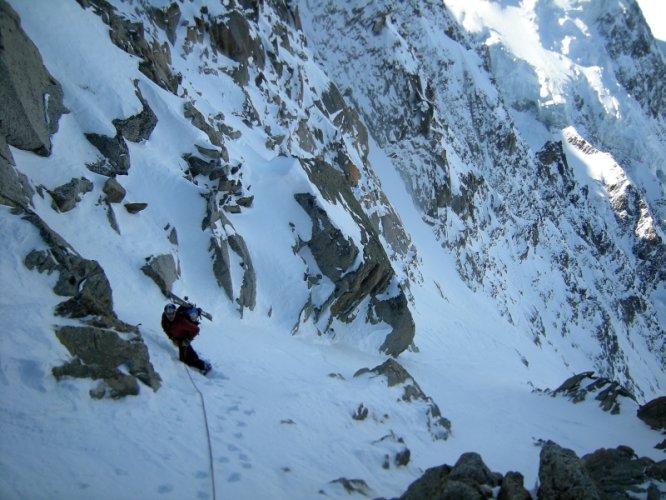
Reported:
(458, 119)
(245, 152)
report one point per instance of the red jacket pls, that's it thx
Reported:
(181, 328)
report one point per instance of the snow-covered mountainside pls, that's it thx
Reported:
(421, 229)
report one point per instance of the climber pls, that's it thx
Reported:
(181, 325)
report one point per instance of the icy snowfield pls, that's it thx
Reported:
(279, 406)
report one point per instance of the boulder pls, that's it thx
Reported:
(135, 207)
(513, 487)
(66, 197)
(114, 192)
(562, 475)
(163, 270)
(30, 98)
(468, 479)
(471, 469)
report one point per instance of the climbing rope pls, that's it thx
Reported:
(210, 446)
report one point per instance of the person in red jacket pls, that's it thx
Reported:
(181, 325)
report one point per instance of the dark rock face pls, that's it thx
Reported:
(233, 37)
(30, 98)
(653, 413)
(31, 101)
(135, 207)
(248, 289)
(334, 252)
(199, 121)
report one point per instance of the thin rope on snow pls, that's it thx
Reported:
(210, 446)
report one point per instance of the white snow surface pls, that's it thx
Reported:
(279, 406)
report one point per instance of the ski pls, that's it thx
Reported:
(185, 302)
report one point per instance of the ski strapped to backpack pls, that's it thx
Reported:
(185, 302)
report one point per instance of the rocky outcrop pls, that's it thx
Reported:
(396, 375)
(137, 128)
(609, 393)
(163, 270)
(114, 160)
(98, 353)
(562, 475)
(199, 121)
(97, 348)
(605, 474)
(357, 273)
(225, 237)
(83, 280)
(619, 473)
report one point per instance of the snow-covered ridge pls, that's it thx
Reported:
(334, 184)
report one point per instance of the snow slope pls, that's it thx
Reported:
(278, 406)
